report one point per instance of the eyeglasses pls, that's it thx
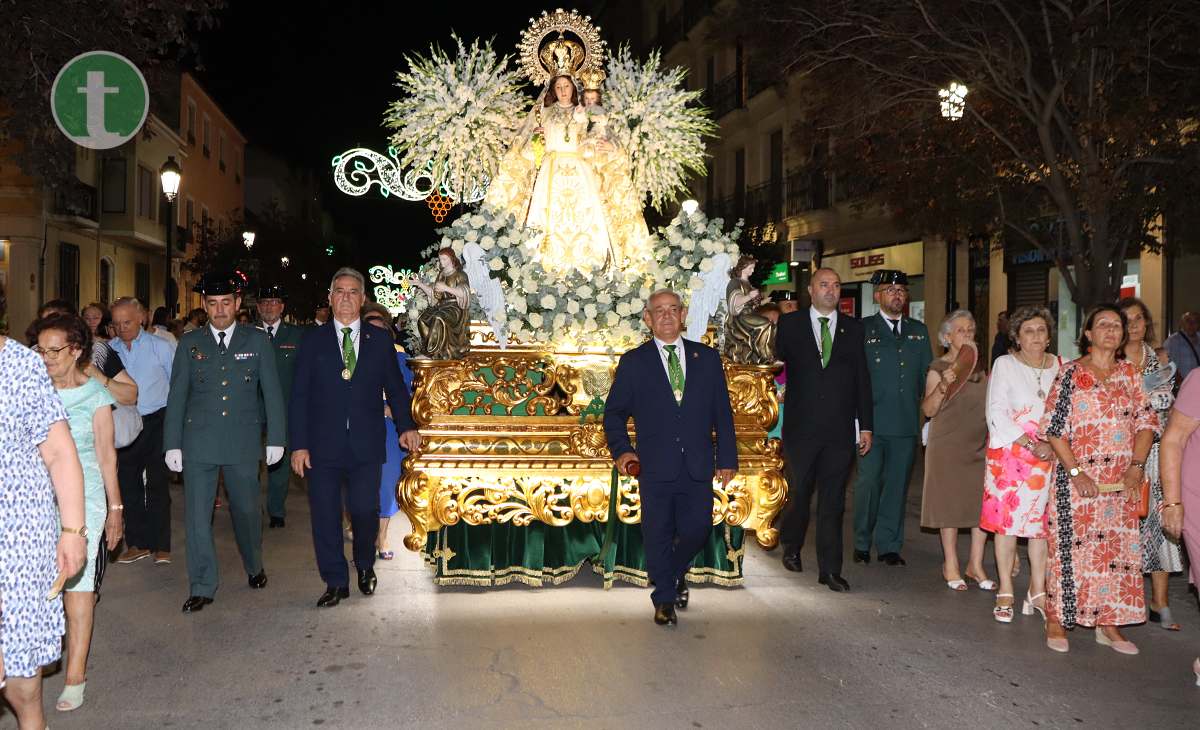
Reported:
(894, 290)
(52, 351)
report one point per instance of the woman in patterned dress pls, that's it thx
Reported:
(1017, 480)
(1160, 556)
(38, 467)
(64, 342)
(1101, 427)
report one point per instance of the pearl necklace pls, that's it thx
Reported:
(1041, 392)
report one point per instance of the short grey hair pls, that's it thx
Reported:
(660, 292)
(352, 273)
(128, 302)
(1023, 315)
(948, 322)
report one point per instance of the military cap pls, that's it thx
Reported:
(889, 276)
(273, 291)
(216, 284)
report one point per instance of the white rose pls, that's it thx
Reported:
(706, 265)
(671, 271)
(573, 307)
(520, 305)
(623, 309)
(487, 243)
(589, 310)
(478, 221)
(644, 293)
(695, 283)
(562, 288)
(604, 298)
(585, 292)
(560, 319)
(548, 302)
(687, 245)
(535, 320)
(636, 305)
(458, 247)
(611, 319)
(496, 263)
(685, 262)
(472, 235)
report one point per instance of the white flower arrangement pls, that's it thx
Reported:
(579, 308)
(455, 116)
(658, 123)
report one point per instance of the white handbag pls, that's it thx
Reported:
(127, 424)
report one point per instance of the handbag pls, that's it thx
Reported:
(1143, 507)
(127, 424)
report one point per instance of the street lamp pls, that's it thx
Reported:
(170, 175)
(690, 206)
(953, 101)
(248, 239)
(304, 277)
(284, 261)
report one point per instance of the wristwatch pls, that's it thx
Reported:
(1139, 464)
(1074, 471)
(81, 531)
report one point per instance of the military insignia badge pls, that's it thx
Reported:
(197, 355)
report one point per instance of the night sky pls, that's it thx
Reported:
(307, 85)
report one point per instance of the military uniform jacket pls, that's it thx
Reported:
(898, 367)
(213, 406)
(286, 343)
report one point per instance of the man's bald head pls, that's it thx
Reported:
(825, 289)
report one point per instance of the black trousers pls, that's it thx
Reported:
(148, 502)
(676, 522)
(824, 467)
(357, 487)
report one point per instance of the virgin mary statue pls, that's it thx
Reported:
(550, 180)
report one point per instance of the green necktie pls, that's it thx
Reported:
(826, 341)
(348, 349)
(674, 373)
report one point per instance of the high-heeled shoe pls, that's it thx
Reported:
(1059, 645)
(1028, 606)
(983, 583)
(1162, 617)
(1196, 671)
(1003, 614)
(1122, 646)
(71, 697)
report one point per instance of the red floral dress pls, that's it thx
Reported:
(1095, 571)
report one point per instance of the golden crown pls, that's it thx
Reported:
(592, 79)
(561, 43)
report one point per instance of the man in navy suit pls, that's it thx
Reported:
(828, 390)
(675, 390)
(336, 430)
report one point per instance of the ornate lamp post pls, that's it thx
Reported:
(248, 239)
(953, 101)
(171, 176)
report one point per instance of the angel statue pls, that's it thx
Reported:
(443, 324)
(749, 337)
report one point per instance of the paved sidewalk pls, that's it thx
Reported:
(900, 650)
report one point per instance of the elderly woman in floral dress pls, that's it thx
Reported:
(1017, 480)
(1101, 427)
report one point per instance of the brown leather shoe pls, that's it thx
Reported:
(162, 557)
(132, 555)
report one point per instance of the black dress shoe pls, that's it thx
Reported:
(862, 556)
(275, 522)
(681, 593)
(332, 597)
(367, 581)
(664, 614)
(196, 603)
(892, 559)
(260, 580)
(834, 581)
(791, 561)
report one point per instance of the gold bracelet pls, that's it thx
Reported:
(1173, 504)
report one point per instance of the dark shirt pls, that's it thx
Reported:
(1000, 346)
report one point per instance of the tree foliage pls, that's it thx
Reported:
(1080, 126)
(40, 36)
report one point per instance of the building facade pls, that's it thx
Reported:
(786, 195)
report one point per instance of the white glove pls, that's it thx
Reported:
(274, 454)
(174, 459)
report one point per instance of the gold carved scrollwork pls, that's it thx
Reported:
(752, 393)
(555, 501)
(413, 491)
(588, 441)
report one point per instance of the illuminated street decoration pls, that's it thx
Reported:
(394, 286)
(953, 101)
(356, 170)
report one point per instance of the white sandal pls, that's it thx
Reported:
(1003, 614)
(71, 698)
(1028, 606)
(957, 585)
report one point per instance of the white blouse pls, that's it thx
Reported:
(1013, 406)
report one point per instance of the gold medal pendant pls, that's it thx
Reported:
(345, 373)
(678, 395)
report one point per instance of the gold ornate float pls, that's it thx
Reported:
(511, 437)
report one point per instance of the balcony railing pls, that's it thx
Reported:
(725, 95)
(680, 24)
(802, 190)
(77, 199)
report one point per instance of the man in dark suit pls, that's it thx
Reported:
(829, 390)
(337, 431)
(676, 393)
(285, 339)
(213, 426)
